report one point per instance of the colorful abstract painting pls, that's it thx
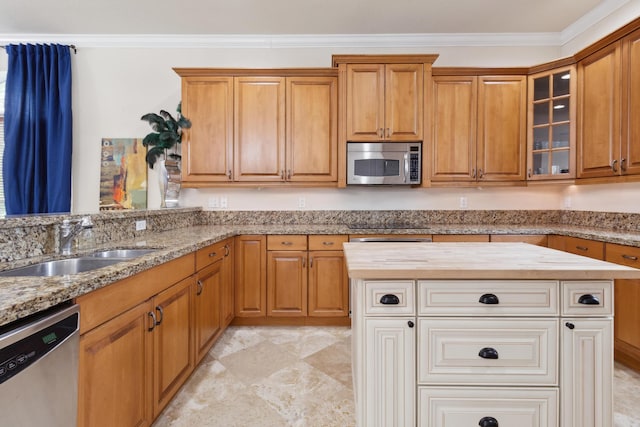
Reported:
(123, 174)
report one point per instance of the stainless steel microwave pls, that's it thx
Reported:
(384, 163)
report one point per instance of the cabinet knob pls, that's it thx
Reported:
(489, 299)
(488, 353)
(569, 325)
(488, 422)
(390, 299)
(410, 324)
(588, 299)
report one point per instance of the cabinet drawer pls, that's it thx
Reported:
(327, 243)
(287, 242)
(519, 407)
(389, 297)
(585, 247)
(488, 297)
(621, 254)
(487, 351)
(587, 298)
(210, 254)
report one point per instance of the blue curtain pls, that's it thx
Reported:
(38, 129)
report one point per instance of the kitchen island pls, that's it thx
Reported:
(489, 334)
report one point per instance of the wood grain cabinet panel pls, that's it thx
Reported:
(631, 104)
(250, 276)
(287, 283)
(328, 284)
(207, 307)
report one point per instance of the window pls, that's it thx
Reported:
(3, 79)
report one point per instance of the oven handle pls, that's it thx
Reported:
(406, 166)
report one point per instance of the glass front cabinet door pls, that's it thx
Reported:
(551, 133)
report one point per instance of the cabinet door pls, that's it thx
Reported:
(115, 371)
(172, 348)
(630, 161)
(599, 89)
(250, 276)
(365, 102)
(227, 290)
(287, 283)
(587, 373)
(502, 118)
(390, 384)
(404, 102)
(259, 129)
(207, 308)
(453, 150)
(328, 284)
(312, 129)
(207, 151)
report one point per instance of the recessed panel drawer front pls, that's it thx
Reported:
(287, 242)
(587, 298)
(488, 297)
(488, 351)
(392, 297)
(509, 407)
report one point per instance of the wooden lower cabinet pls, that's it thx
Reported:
(227, 289)
(328, 294)
(627, 301)
(250, 276)
(577, 245)
(533, 239)
(207, 308)
(116, 368)
(460, 237)
(287, 283)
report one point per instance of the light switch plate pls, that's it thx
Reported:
(141, 224)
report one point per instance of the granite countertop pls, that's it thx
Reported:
(22, 296)
(474, 261)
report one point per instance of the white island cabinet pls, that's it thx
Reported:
(481, 334)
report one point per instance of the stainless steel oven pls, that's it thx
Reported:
(384, 163)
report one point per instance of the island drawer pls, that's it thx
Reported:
(488, 297)
(587, 298)
(389, 297)
(494, 351)
(455, 407)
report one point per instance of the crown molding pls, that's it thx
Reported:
(288, 40)
(591, 18)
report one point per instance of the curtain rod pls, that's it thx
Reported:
(70, 46)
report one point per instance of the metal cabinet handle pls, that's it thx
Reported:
(582, 248)
(212, 254)
(227, 250)
(381, 133)
(473, 173)
(630, 257)
(161, 313)
(288, 174)
(327, 243)
(311, 262)
(488, 353)
(529, 173)
(229, 174)
(489, 299)
(286, 243)
(200, 287)
(282, 174)
(480, 173)
(488, 422)
(588, 299)
(623, 164)
(304, 262)
(388, 133)
(390, 299)
(153, 321)
(613, 165)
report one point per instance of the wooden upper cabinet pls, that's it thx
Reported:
(312, 129)
(259, 129)
(502, 122)
(599, 90)
(453, 151)
(631, 104)
(385, 102)
(478, 128)
(207, 147)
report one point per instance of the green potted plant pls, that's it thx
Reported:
(162, 147)
(167, 132)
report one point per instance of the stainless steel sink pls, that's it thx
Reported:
(121, 253)
(61, 267)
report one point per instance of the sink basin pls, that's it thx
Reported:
(121, 253)
(61, 267)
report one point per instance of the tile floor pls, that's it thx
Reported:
(299, 377)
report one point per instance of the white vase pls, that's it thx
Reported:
(163, 181)
(174, 183)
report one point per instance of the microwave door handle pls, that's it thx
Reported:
(406, 166)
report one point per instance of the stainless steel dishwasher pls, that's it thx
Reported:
(39, 369)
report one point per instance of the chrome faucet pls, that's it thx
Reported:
(69, 230)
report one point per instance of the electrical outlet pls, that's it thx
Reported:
(567, 202)
(302, 202)
(214, 202)
(141, 224)
(223, 202)
(463, 202)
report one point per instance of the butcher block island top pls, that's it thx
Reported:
(469, 260)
